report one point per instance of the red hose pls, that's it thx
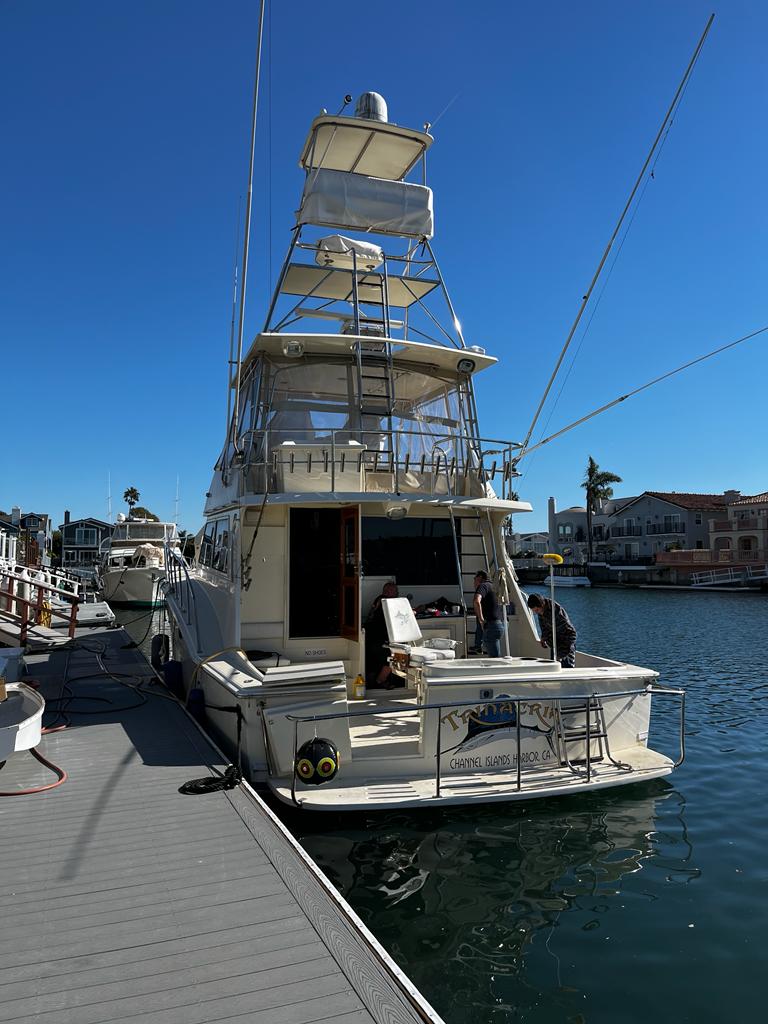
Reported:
(62, 777)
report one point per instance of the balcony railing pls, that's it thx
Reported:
(626, 531)
(665, 528)
(733, 525)
(699, 555)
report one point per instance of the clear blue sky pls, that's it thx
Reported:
(125, 154)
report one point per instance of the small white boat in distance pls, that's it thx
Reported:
(132, 569)
(571, 581)
(354, 462)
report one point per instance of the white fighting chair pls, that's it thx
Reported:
(410, 652)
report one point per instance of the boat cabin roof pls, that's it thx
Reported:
(362, 146)
(418, 354)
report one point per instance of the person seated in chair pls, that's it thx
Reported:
(377, 670)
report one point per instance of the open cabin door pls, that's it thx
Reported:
(349, 591)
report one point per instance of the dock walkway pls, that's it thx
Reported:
(125, 899)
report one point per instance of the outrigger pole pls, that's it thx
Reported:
(247, 232)
(636, 391)
(616, 230)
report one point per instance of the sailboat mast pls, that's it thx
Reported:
(247, 231)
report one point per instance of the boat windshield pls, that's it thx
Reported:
(140, 533)
(320, 399)
(328, 422)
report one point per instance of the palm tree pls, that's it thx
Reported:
(597, 484)
(130, 497)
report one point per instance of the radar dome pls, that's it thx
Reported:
(372, 107)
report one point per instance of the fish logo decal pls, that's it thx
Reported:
(497, 721)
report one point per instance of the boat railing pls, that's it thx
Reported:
(378, 461)
(591, 701)
(178, 581)
(32, 602)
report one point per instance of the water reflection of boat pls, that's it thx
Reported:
(356, 437)
(493, 879)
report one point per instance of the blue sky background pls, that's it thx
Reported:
(126, 131)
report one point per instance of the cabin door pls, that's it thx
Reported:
(349, 591)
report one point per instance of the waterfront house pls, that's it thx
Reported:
(568, 532)
(660, 521)
(34, 538)
(528, 545)
(9, 539)
(741, 535)
(81, 540)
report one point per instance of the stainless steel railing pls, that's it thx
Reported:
(587, 697)
(178, 581)
(453, 464)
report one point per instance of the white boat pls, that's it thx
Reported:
(565, 580)
(354, 457)
(132, 568)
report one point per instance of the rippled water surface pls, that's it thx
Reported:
(646, 903)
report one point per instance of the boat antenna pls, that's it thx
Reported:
(176, 503)
(247, 229)
(109, 496)
(231, 361)
(347, 101)
(612, 239)
(643, 387)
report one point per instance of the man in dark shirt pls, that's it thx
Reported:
(565, 633)
(488, 615)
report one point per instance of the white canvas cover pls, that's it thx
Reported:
(342, 200)
(336, 251)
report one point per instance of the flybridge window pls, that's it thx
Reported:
(214, 550)
(307, 401)
(143, 532)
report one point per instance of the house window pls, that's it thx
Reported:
(672, 523)
(699, 518)
(33, 521)
(85, 536)
(565, 530)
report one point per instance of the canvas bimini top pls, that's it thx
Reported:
(362, 146)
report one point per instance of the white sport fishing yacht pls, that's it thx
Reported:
(132, 565)
(354, 458)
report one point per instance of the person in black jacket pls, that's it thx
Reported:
(377, 669)
(565, 633)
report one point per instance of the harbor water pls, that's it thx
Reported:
(647, 902)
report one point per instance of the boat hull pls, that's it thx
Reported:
(376, 793)
(135, 588)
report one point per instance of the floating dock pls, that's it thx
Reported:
(124, 898)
